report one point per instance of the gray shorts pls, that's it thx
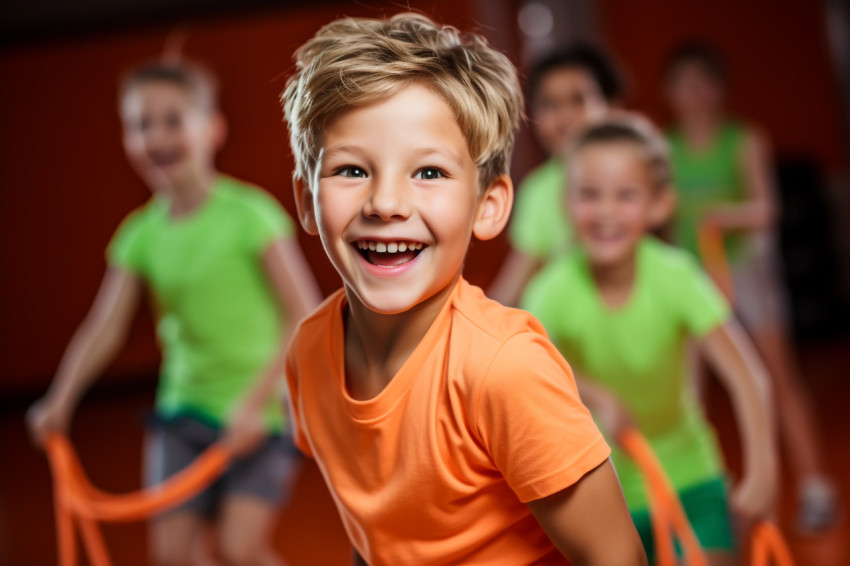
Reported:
(172, 444)
(760, 298)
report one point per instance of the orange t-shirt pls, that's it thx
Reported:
(482, 417)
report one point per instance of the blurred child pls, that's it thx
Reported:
(447, 427)
(229, 281)
(721, 171)
(567, 89)
(623, 307)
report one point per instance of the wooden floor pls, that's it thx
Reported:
(108, 432)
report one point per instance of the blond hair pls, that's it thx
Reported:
(627, 127)
(353, 61)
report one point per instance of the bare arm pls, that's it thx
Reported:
(297, 295)
(515, 273)
(94, 345)
(589, 522)
(743, 375)
(758, 212)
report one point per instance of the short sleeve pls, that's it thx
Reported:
(268, 221)
(531, 421)
(294, 400)
(126, 250)
(702, 306)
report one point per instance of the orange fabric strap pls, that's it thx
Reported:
(77, 501)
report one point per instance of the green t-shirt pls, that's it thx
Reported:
(705, 178)
(218, 320)
(639, 351)
(540, 227)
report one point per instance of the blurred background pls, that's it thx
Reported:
(65, 185)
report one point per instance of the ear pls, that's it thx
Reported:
(494, 208)
(305, 205)
(218, 130)
(663, 207)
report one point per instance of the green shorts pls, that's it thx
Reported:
(707, 507)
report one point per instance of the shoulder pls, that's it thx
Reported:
(747, 136)
(493, 339)
(316, 326)
(246, 197)
(142, 217)
(542, 175)
(666, 259)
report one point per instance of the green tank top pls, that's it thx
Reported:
(704, 178)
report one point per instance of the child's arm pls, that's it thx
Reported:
(740, 370)
(298, 295)
(93, 346)
(589, 522)
(757, 213)
(512, 278)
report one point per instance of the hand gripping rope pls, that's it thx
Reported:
(78, 502)
(668, 516)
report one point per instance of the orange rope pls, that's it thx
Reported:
(668, 516)
(77, 501)
(768, 542)
(713, 254)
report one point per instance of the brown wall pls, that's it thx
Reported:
(781, 76)
(65, 185)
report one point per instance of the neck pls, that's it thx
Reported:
(616, 280)
(188, 196)
(700, 129)
(377, 345)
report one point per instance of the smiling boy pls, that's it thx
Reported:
(447, 427)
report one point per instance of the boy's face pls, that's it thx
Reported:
(612, 200)
(693, 91)
(395, 199)
(567, 99)
(168, 138)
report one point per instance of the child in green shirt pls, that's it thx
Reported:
(228, 282)
(722, 175)
(568, 89)
(623, 308)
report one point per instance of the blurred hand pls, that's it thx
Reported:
(45, 416)
(754, 498)
(246, 430)
(613, 416)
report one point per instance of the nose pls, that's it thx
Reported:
(389, 199)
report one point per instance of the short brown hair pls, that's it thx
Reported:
(635, 129)
(355, 61)
(200, 83)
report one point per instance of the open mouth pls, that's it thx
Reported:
(388, 254)
(166, 158)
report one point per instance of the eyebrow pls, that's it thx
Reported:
(420, 151)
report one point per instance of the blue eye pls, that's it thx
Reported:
(429, 174)
(351, 171)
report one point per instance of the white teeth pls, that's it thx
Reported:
(390, 248)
